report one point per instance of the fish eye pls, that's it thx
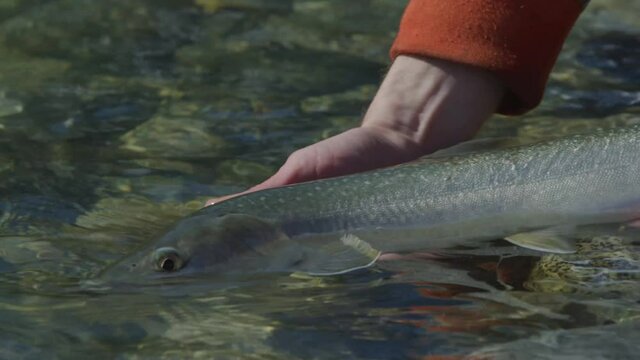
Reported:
(168, 259)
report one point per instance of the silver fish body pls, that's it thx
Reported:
(436, 202)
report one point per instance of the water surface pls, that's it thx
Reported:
(117, 118)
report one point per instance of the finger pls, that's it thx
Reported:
(219, 199)
(273, 181)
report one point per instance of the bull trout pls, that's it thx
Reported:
(531, 195)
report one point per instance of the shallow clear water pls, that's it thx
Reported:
(117, 118)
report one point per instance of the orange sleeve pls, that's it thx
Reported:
(518, 40)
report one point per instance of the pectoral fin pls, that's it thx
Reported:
(554, 240)
(340, 257)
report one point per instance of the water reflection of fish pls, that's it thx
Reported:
(528, 194)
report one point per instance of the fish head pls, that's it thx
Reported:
(203, 244)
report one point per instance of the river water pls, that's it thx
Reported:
(119, 117)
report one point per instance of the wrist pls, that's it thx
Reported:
(431, 104)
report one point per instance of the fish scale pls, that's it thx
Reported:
(442, 201)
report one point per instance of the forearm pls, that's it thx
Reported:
(422, 105)
(497, 56)
(517, 40)
(428, 104)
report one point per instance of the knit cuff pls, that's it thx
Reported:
(517, 40)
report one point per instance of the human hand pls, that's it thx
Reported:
(422, 105)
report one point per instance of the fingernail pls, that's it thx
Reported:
(211, 202)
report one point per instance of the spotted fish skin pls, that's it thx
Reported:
(437, 202)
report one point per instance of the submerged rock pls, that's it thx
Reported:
(274, 68)
(20, 72)
(603, 264)
(211, 6)
(103, 35)
(614, 341)
(340, 103)
(174, 137)
(9, 106)
(133, 215)
(615, 54)
(239, 171)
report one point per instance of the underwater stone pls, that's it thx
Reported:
(239, 171)
(22, 72)
(616, 54)
(352, 101)
(111, 36)
(9, 106)
(174, 137)
(211, 6)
